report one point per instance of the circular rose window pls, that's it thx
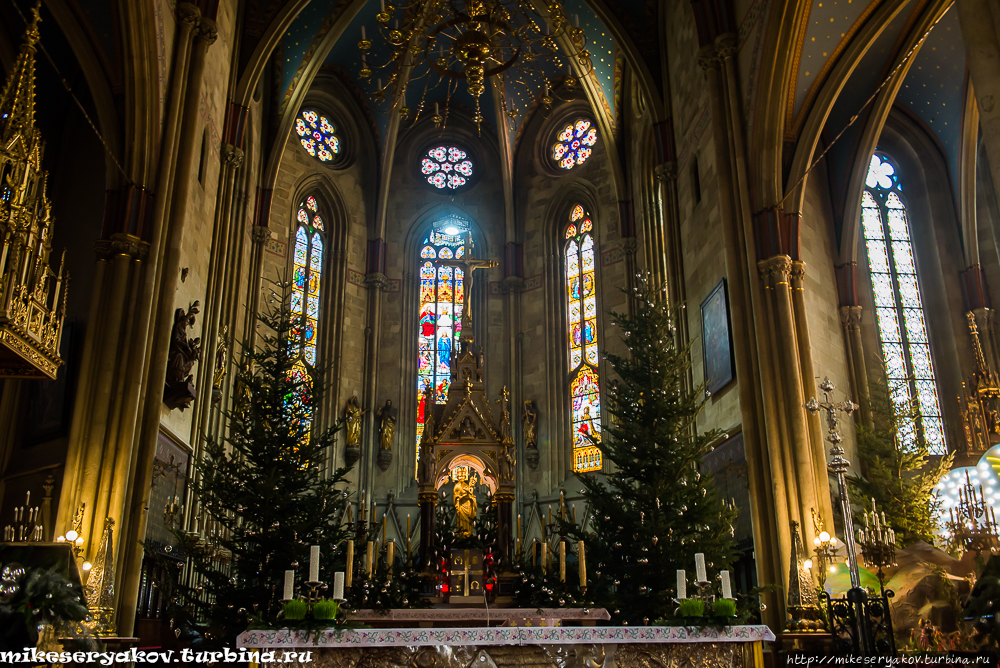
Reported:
(574, 144)
(446, 167)
(317, 135)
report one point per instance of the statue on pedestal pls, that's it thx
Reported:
(529, 431)
(352, 425)
(179, 390)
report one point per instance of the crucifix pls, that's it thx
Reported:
(468, 264)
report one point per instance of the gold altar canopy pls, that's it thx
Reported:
(32, 296)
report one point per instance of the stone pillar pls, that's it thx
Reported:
(376, 283)
(134, 521)
(850, 322)
(979, 20)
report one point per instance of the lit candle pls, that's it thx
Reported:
(545, 558)
(289, 586)
(407, 535)
(338, 586)
(383, 528)
(562, 505)
(314, 563)
(349, 576)
(699, 567)
(368, 558)
(682, 590)
(519, 525)
(390, 554)
(562, 561)
(582, 560)
(727, 591)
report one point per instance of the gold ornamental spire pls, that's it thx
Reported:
(17, 103)
(32, 295)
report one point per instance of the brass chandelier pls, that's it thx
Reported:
(527, 43)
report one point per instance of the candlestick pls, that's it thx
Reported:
(349, 576)
(383, 528)
(582, 561)
(699, 567)
(390, 554)
(314, 563)
(681, 584)
(338, 586)
(368, 558)
(727, 591)
(562, 561)
(545, 558)
(289, 586)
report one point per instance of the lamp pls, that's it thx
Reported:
(476, 41)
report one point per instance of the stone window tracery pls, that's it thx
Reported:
(584, 383)
(899, 310)
(442, 300)
(317, 135)
(446, 167)
(307, 272)
(574, 143)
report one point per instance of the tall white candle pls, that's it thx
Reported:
(699, 567)
(682, 585)
(289, 586)
(727, 590)
(314, 563)
(338, 586)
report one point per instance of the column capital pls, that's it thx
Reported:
(708, 59)
(512, 284)
(725, 45)
(121, 244)
(232, 156)
(189, 14)
(850, 317)
(260, 233)
(208, 31)
(666, 171)
(798, 274)
(775, 270)
(377, 281)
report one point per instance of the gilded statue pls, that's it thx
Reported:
(221, 353)
(386, 426)
(352, 422)
(466, 507)
(529, 425)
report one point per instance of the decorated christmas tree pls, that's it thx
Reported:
(263, 498)
(898, 472)
(655, 510)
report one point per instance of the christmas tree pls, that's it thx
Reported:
(262, 494)
(654, 511)
(898, 472)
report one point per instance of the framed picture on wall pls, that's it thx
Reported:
(717, 340)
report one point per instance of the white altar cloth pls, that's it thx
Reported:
(533, 635)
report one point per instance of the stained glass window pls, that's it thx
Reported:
(317, 134)
(899, 309)
(574, 144)
(446, 167)
(307, 269)
(581, 295)
(439, 325)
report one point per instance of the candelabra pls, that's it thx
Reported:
(26, 527)
(74, 538)
(171, 510)
(878, 543)
(973, 523)
(825, 548)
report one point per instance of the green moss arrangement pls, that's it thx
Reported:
(295, 609)
(691, 607)
(325, 609)
(724, 607)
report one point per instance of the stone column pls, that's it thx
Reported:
(850, 322)
(979, 20)
(427, 498)
(134, 521)
(376, 283)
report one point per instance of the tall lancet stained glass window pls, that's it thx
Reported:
(307, 270)
(899, 308)
(584, 384)
(442, 298)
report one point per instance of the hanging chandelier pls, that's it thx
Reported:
(521, 43)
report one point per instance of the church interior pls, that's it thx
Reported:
(459, 205)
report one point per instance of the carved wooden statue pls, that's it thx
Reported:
(180, 391)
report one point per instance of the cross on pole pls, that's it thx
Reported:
(468, 264)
